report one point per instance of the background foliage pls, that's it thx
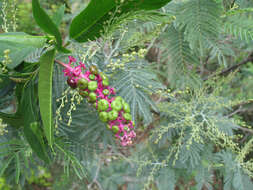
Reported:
(184, 66)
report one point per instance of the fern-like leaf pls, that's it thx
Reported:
(134, 84)
(239, 26)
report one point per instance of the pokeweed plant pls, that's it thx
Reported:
(66, 95)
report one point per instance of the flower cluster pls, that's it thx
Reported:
(112, 109)
(3, 126)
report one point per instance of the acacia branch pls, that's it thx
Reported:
(232, 68)
(245, 129)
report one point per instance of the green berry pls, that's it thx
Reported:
(105, 82)
(92, 85)
(116, 105)
(127, 116)
(95, 105)
(103, 105)
(82, 83)
(112, 115)
(92, 77)
(92, 97)
(126, 107)
(106, 91)
(83, 93)
(93, 69)
(103, 116)
(115, 128)
(120, 99)
(108, 127)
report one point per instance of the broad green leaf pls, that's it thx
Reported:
(28, 106)
(24, 39)
(45, 93)
(20, 45)
(35, 139)
(88, 26)
(15, 120)
(46, 24)
(58, 16)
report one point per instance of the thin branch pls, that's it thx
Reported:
(96, 176)
(116, 47)
(232, 68)
(245, 129)
(235, 112)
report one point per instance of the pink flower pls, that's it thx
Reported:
(71, 60)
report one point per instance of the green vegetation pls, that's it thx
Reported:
(183, 75)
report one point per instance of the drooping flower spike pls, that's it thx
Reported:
(112, 109)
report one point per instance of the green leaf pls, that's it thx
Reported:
(17, 167)
(24, 39)
(45, 93)
(76, 164)
(167, 179)
(15, 120)
(5, 165)
(134, 84)
(46, 24)
(20, 45)
(35, 139)
(28, 106)
(89, 26)
(58, 16)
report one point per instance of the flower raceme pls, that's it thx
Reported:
(94, 86)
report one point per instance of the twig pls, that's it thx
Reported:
(245, 129)
(116, 47)
(232, 68)
(95, 177)
(235, 112)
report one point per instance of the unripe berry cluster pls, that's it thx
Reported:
(112, 109)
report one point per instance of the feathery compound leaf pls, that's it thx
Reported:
(177, 48)
(134, 84)
(200, 17)
(17, 167)
(178, 55)
(167, 179)
(204, 178)
(235, 178)
(45, 93)
(89, 26)
(240, 26)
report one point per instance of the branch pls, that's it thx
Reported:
(245, 129)
(96, 176)
(232, 68)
